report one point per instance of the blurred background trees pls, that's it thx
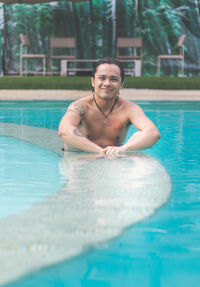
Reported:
(97, 23)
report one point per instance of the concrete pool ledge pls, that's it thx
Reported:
(58, 227)
(129, 94)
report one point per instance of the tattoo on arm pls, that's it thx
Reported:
(77, 108)
(77, 133)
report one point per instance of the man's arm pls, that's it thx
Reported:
(146, 136)
(69, 132)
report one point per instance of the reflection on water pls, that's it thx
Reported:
(160, 251)
(99, 199)
(136, 180)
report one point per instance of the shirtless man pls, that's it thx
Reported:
(99, 123)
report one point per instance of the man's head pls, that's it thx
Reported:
(107, 79)
(109, 60)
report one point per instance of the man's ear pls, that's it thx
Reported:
(92, 82)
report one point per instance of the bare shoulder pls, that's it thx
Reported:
(129, 106)
(79, 106)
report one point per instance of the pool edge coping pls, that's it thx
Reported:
(129, 94)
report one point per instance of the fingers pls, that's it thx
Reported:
(112, 151)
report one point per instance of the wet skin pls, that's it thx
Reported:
(100, 122)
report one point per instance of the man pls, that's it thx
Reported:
(99, 123)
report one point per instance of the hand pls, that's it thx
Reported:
(113, 151)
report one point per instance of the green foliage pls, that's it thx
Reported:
(83, 83)
(163, 83)
(46, 82)
(159, 23)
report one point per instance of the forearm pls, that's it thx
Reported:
(74, 139)
(142, 140)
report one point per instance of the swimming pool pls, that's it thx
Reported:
(162, 250)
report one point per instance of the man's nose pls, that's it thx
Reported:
(107, 82)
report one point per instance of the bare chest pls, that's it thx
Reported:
(105, 130)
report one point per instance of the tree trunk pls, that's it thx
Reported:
(4, 70)
(92, 29)
(113, 27)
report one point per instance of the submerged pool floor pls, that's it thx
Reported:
(160, 250)
(28, 174)
(98, 199)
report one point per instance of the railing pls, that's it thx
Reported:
(135, 70)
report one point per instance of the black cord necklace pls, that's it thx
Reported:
(106, 122)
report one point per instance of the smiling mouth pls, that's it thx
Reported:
(107, 90)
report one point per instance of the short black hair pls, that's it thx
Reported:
(109, 60)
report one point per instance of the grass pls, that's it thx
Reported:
(83, 83)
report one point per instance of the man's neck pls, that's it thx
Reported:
(105, 103)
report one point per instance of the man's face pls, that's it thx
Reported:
(107, 81)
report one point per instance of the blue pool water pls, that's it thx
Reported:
(162, 250)
(28, 174)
